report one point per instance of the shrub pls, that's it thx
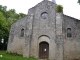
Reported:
(8, 52)
(59, 8)
(12, 53)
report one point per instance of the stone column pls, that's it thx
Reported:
(59, 37)
(28, 35)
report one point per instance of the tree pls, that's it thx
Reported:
(3, 29)
(21, 15)
(6, 20)
(3, 23)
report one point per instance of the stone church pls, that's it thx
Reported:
(46, 34)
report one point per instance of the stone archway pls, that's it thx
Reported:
(44, 41)
(43, 50)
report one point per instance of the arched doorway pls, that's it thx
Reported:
(43, 50)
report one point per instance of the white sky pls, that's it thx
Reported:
(70, 7)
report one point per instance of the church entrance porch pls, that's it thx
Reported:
(43, 50)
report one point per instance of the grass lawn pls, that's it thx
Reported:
(6, 56)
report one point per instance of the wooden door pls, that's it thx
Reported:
(43, 50)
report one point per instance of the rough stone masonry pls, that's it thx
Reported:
(45, 34)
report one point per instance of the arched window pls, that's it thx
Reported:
(69, 34)
(22, 32)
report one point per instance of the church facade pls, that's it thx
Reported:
(45, 34)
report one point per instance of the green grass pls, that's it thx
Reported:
(6, 56)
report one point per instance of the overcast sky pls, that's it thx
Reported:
(70, 7)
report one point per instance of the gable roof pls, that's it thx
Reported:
(70, 17)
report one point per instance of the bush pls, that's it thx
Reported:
(59, 8)
(8, 52)
(12, 53)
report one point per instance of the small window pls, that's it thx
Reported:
(22, 32)
(44, 15)
(69, 34)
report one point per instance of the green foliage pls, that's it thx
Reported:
(7, 52)
(59, 8)
(12, 53)
(6, 56)
(7, 17)
(3, 24)
(21, 15)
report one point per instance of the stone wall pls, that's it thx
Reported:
(44, 27)
(59, 36)
(52, 29)
(16, 42)
(71, 44)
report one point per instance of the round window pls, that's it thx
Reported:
(44, 15)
